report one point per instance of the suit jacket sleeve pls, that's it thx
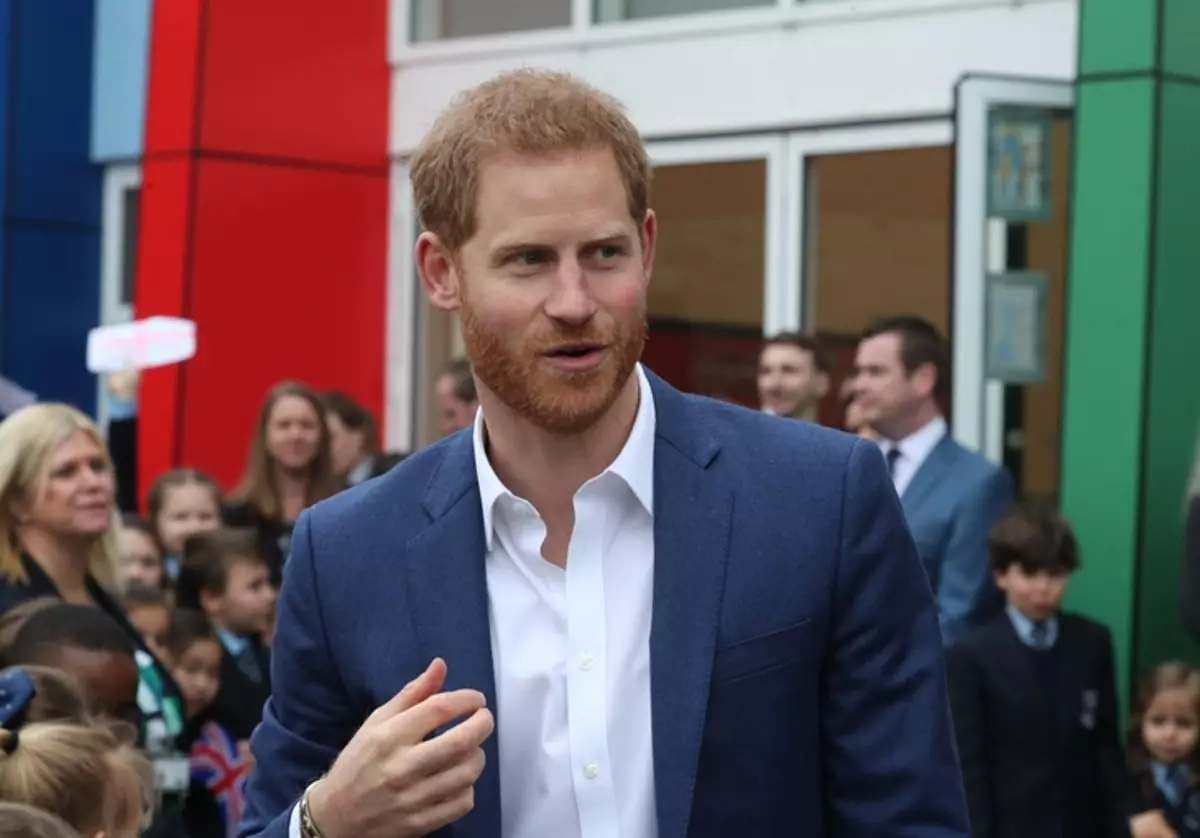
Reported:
(308, 719)
(965, 585)
(1189, 588)
(888, 748)
(968, 710)
(1108, 732)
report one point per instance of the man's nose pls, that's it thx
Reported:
(571, 300)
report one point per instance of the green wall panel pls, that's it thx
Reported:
(1181, 36)
(1173, 406)
(1106, 347)
(1117, 36)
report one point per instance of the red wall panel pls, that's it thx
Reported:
(174, 61)
(288, 283)
(161, 265)
(264, 214)
(305, 79)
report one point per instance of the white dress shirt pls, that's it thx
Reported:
(914, 451)
(571, 650)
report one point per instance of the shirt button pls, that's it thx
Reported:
(591, 771)
(587, 662)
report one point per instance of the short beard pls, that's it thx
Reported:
(562, 403)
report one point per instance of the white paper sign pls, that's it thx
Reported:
(141, 345)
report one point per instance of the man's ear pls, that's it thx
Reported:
(649, 236)
(924, 378)
(210, 601)
(822, 384)
(438, 271)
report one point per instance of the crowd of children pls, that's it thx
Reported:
(199, 595)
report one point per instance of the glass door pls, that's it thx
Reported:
(1012, 191)
(868, 235)
(718, 265)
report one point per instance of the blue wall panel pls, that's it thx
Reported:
(121, 62)
(49, 239)
(46, 346)
(6, 9)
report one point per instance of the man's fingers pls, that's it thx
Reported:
(447, 783)
(414, 724)
(453, 746)
(415, 691)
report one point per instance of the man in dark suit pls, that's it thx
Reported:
(1033, 695)
(680, 617)
(951, 496)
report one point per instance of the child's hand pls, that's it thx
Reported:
(247, 756)
(1151, 824)
(123, 385)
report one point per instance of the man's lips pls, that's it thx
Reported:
(573, 350)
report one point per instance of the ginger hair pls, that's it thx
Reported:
(524, 112)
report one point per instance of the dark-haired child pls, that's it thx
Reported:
(218, 766)
(1033, 696)
(1164, 763)
(149, 611)
(224, 576)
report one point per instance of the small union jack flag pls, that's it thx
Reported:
(216, 763)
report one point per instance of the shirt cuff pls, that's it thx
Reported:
(294, 823)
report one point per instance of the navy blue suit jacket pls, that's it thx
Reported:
(951, 503)
(797, 677)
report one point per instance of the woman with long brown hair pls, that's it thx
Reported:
(290, 467)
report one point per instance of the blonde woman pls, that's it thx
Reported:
(59, 537)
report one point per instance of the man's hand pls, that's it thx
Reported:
(1151, 824)
(389, 783)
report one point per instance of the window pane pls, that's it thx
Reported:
(877, 244)
(706, 293)
(434, 20)
(611, 10)
(132, 201)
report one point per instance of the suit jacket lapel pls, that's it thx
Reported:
(692, 512)
(447, 596)
(928, 476)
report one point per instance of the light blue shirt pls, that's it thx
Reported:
(233, 644)
(1172, 781)
(1024, 629)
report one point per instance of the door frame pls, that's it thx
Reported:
(118, 179)
(977, 405)
(791, 313)
(772, 149)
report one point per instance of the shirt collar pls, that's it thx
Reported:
(1023, 626)
(918, 445)
(233, 644)
(1171, 780)
(634, 465)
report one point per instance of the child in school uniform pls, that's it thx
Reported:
(216, 796)
(1164, 763)
(1033, 696)
(224, 576)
